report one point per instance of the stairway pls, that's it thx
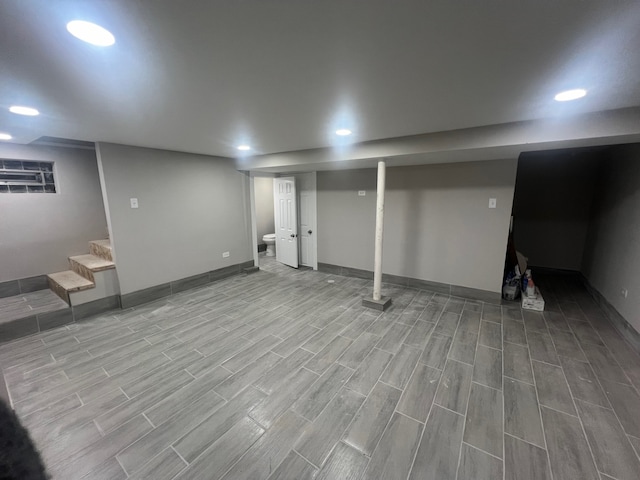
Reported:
(89, 288)
(87, 272)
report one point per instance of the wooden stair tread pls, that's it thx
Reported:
(103, 243)
(101, 248)
(93, 262)
(70, 281)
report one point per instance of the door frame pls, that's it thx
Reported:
(254, 221)
(308, 180)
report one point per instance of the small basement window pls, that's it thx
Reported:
(17, 176)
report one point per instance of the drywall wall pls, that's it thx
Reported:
(38, 231)
(552, 206)
(438, 226)
(264, 207)
(612, 254)
(191, 209)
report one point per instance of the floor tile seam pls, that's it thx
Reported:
(542, 361)
(535, 388)
(460, 361)
(464, 428)
(599, 380)
(404, 391)
(99, 428)
(513, 435)
(486, 386)
(121, 466)
(6, 388)
(355, 415)
(629, 382)
(468, 394)
(591, 403)
(593, 370)
(487, 346)
(52, 387)
(488, 320)
(306, 459)
(186, 464)
(134, 441)
(329, 402)
(584, 432)
(483, 451)
(33, 382)
(5, 373)
(309, 461)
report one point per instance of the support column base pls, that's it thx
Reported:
(380, 305)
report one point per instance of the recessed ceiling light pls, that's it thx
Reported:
(570, 95)
(343, 132)
(31, 112)
(5, 136)
(244, 148)
(91, 33)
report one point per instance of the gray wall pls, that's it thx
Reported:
(264, 207)
(38, 231)
(191, 209)
(438, 226)
(612, 255)
(552, 206)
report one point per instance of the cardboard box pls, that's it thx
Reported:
(534, 302)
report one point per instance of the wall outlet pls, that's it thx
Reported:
(493, 203)
(624, 292)
(134, 202)
(225, 254)
(362, 193)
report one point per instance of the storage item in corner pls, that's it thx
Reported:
(533, 302)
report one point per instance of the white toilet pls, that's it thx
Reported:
(270, 240)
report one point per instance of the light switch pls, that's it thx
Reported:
(362, 193)
(225, 254)
(134, 202)
(492, 203)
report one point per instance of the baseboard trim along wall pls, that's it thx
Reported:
(45, 321)
(624, 328)
(444, 288)
(154, 293)
(23, 285)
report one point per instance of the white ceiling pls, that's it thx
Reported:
(282, 75)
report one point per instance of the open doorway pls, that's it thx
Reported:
(575, 218)
(552, 206)
(301, 225)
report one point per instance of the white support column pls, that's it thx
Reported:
(378, 302)
(377, 264)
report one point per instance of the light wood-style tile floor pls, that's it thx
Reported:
(283, 375)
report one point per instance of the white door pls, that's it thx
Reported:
(307, 213)
(286, 217)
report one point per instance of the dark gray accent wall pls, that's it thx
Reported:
(438, 226)
(612, 254)
(192, 208)
(552, 206)
(40, 231)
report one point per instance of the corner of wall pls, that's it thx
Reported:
(105, 199)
